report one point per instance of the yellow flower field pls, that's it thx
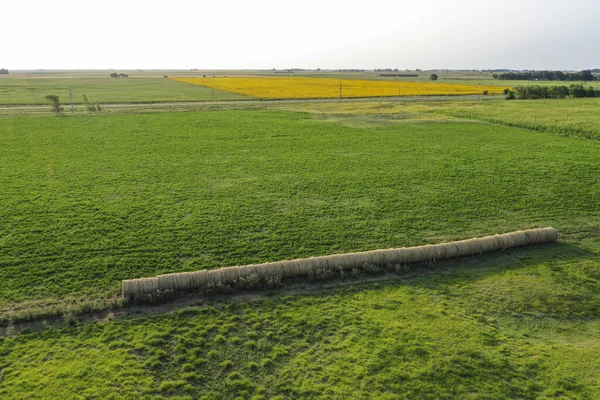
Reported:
(312, 88)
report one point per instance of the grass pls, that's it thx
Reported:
(90, 200)
(568, 117)
(573, 117)
(105, 90)
(517, 324)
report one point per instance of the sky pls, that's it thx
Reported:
(265, 34)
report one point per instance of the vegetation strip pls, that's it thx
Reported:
(231, 275)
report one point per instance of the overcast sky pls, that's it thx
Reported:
(426, 34)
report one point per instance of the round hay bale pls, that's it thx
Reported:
(198, 279)
(215, 276)
(345, 261)
(451, 249)
(463, 247)
(129, 287)
(486, 244)
(167, 282)
(336, 261)
(318, 263)
(148, 285)
(389, 256)
(475, 246)
(285, 268)
(551, 235)
(520, 239)
(428, 252)
(401, 255)
(360, 259)
(439, 252)
(413, 255)
(509, 240)
(229, 275)
(376, 257)
(271, 269)
(183, 280)
(498, 242)
(245, 271)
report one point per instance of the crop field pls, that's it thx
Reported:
(90, 199)
(105, 90)
(568, 117)
(316, 88)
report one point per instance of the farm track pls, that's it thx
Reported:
(161, 105)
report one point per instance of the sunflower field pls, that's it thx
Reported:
(323, 88)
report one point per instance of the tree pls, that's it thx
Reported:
(54, 103)
(3, 71)
(114, 75)
(433, 77)
(587, 75)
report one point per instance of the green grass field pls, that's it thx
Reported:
(88, 200)
(105, 90)
(91, 200)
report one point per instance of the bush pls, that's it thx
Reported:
(54, 103)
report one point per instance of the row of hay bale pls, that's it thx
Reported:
(284, 269)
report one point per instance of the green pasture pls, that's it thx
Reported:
(89, 200)
(105, 90)
(521, 324)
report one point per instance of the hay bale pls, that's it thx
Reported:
(320, 263)
(413, 255)
(499, 243)
(509, 240)
(183, 280)
(428, 252)
(270, 270)
(129, 287)
(464, 248)
(376, 257)
(147, 285)
(439, 252)
(359, 259)
(451, 249)
(198, 279)
(486, 244)
(189, 280)
(229, 275)
(520, 238)
(336, 262)
(214, 276)
(401, 256)
(246, 270)
(167, 282)
(550, 234)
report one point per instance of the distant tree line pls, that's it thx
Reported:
(401, 75)
(585, 75)
(550, 92)
(3, 71)
(121, 75)
(349, 70)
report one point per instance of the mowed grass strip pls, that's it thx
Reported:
(316, 88)
(88, 201)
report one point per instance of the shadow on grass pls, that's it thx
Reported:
(455, 273)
